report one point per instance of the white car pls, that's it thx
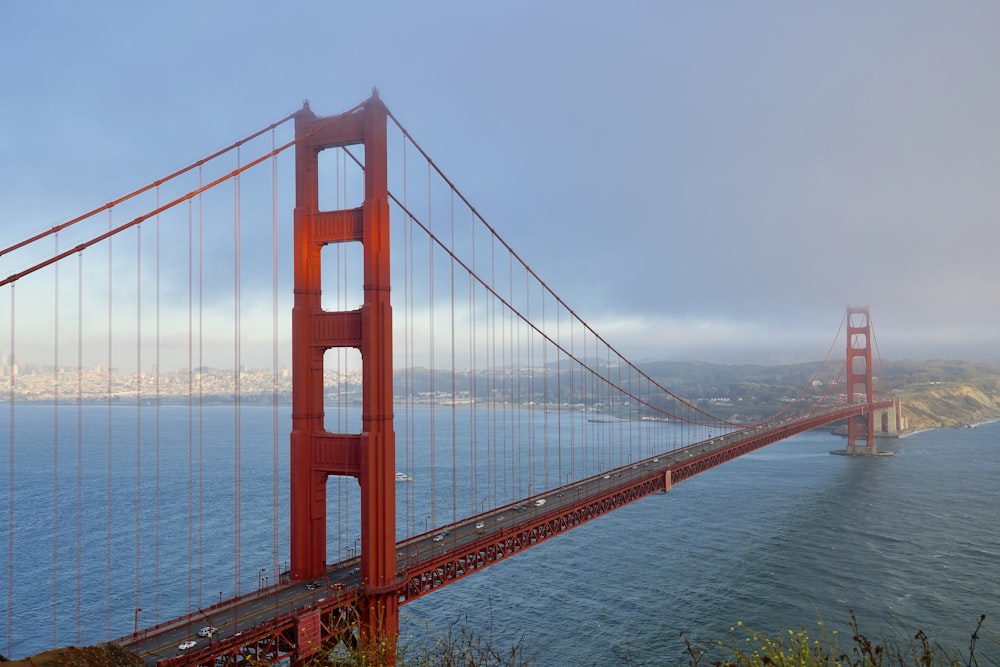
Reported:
(207, 631)
(480, 525)
(183, 646)
(438, 537)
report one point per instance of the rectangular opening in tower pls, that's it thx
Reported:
(343, 276)
(343, 519)
(342, 390)
(341, 178)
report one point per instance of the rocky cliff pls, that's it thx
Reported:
(950, 404)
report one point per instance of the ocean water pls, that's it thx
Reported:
(778, 539)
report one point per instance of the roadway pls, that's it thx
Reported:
(423, 561)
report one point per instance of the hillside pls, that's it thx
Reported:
(934, 393)
(951, 403)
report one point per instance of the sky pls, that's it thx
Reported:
(713, 181)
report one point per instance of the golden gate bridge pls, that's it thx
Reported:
(448, 409)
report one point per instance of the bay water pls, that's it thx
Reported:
(779, 539)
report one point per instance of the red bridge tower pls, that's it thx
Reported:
(369, 456)
(860, 380)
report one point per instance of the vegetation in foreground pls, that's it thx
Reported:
(744, 648)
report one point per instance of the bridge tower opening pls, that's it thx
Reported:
(368, 456)
(860, 381)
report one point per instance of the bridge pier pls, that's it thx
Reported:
(889, 422)
(854, 450)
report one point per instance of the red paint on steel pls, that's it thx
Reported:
(445, 567)
(859, 376)
(281, 639)
(370, 455)
(340, 613)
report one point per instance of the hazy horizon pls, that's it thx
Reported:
(699, 182)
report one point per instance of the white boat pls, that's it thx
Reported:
(402, 477)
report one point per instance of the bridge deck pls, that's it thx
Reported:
(270, 625)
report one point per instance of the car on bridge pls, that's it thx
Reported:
(208, 631)
(183, 646)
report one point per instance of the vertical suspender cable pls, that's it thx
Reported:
(55, 445)
(493, 374)
(343, 298)
(156, 436)
(201, 381)
(473, 386)
(408, 449)
(529, 339)
(79, 438)
(10, 483)
(430, 343)
(237, 388)
(571, 398)
(630, 407)
(516, 458)
(341, 271)
(274, 356)
(138, 410)
(107, 601)
(338, 270)
(190, 407)
(545, 401)
(513, 438)
(530, 380)
(618, 402)
(562, 477)
(342, 519)
(454, 435)
(508, 477)
(581, 387)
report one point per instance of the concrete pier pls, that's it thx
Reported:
(860, 451)
(889, 423)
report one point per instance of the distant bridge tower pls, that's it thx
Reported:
(860, 429)
(369, 456)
